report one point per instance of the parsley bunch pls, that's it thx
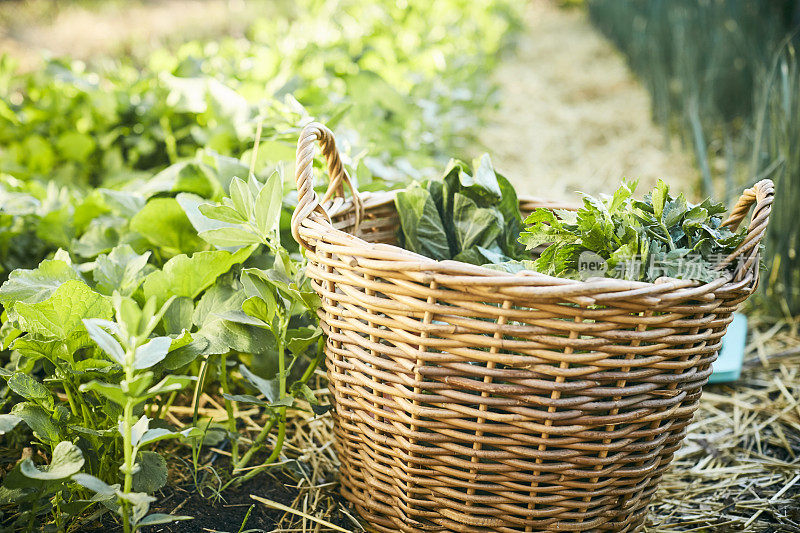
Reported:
(621, 237)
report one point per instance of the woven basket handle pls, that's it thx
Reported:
(307, 200)
(761, 194)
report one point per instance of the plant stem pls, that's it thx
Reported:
(169, 140)
(127, 444)
(198, 391)
(254, 155)
(88, 420)
(282, 360)
(128, 451)
(164, 407)
(315, 363)
(280, 419)
(246, 517)
(35, 509)
(275, 452)
(670, 242)
(259, 440)
(71, 400)
(223, 379)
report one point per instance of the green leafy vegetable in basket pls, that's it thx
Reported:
(621, 237)
(471, 215)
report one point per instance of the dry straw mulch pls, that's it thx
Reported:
(739, 467)
(738, 470)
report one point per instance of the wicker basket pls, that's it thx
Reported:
(472, 400)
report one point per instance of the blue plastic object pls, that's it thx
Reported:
(728, 366)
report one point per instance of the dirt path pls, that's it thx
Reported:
(572, 115)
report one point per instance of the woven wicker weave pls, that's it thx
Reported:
(473, 400)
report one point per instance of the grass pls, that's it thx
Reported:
(776, 155)
(721, 79)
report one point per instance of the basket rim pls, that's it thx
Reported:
(312, 218)
(338, 207)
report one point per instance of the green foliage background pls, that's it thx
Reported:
(140, 270)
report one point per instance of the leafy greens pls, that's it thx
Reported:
(471, 215)
(621, 237)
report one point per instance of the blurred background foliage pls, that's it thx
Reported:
(404, 80)
(405, 85)
(723, 77)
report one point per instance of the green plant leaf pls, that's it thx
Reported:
(139, 428)
(156, 434)
(107, 390)
(240, 317)
(39, 421)
(638, 240)
(67, 460)
(189, 276)
(178, 317)
(186, 354)
(475, 226)
(156, 519)
(257, 308)
(135, 386)
(659, 198)
(164, 224)
(170, 383)
(122, 270)
(674, 211)
(99, 334)
(8, 422)
(484, 179)
(225, 238)
(245, 398)
(242, 198)
(269, 203)
(222, 213)
(267, 387)
(140, 504)
(152, 474)
(102, 490)
(191, 203)
(63, 312)
(34, 349)
(423, 229)
(33, 286)
(185, 176)
(512, 219)
(151, 353)
(30, 389)
(299, 339)
(124, 203)
(260, 287)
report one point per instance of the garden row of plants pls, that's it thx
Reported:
(144, 243)
(723, 76)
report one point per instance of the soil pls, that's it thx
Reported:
(228, 513)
